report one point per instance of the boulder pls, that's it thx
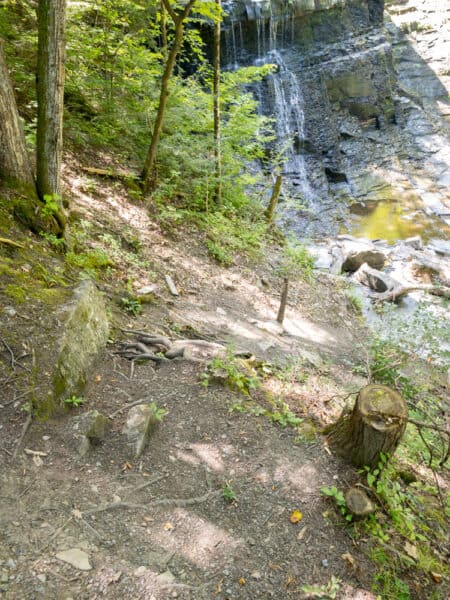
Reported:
(84, 332)
(357, 252)
(374, 279)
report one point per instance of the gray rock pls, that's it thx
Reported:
(85, 333)
(359, 252)
(358, 503)
(376, 280)
(414, 242)
(75, 557)
(93, 426)
(441, 247)
(139, 426)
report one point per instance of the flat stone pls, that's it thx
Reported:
(414, 242)
(75, 557)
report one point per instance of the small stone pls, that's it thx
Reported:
(166, 577)
(414, 242)
(4, 578)
(228, 284)
(75, 557)
(325, 563)
(140, 571)
(139, 426)
(10, 563)
(42, 577)
(45, 438)
(256, 575)
(358, 503)
(221, 311)
(10, 311)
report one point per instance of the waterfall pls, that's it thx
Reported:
(280, 95)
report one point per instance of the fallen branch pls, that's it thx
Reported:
(110, 173)
(398, 292)
(176, 502)
(420, 424)
(130, 405)
(11, 243)
(25, 428)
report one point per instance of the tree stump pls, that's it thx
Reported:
(376, 425)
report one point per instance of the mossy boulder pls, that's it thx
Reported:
(84, 333)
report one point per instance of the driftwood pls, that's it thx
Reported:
(374, 427)
(402, 290)
(160, 348)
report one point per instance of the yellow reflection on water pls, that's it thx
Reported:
(391, 221)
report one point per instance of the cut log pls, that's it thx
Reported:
(375, 426)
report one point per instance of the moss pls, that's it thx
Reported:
(16, 292)
(50, 296)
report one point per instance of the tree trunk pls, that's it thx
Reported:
(50, 95)
(376, 425)
(15, 167)
(283, 301)
(216, 90)
(148, 175)
(163, 32)
(270, 212)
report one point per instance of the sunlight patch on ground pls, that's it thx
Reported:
(206, 454)
(197, 540)
(303, 328)
(305, 478)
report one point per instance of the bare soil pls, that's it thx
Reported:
(174, 533)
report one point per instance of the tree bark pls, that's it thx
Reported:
(283, 301)
(216, 91)
(376, 425)
(270, 212)
(15, 167)
(148, 175)
(50, 95)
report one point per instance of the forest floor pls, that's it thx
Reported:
(205, 512)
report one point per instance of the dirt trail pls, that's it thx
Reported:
(173, 534)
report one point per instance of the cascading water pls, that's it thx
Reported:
(280, 96)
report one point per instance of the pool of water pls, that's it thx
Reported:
(394, 219)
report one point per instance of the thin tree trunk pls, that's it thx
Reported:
(163, 32)
(216, 90)
(148, 175)
(270, 212)
(50, 95)
(15, 167)
(283, 301)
